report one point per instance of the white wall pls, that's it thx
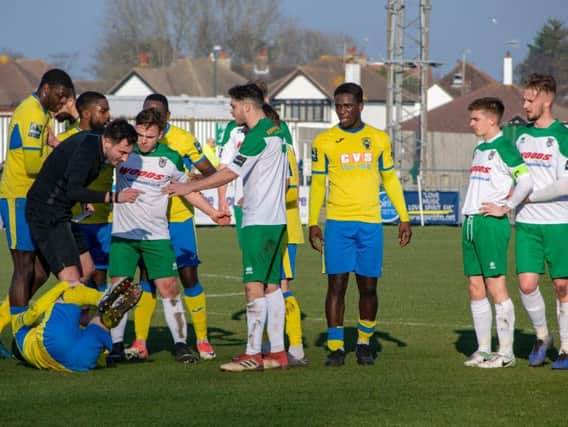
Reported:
(300, 88)
(132, 87)
(437, 97)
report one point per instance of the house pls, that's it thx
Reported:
(193, 77)
(262, 69)
(306, 94)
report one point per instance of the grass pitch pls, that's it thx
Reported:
(423, 335)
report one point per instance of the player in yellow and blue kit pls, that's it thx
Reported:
(94, 114)
(49, 335)
(184, 242)
(29, 143)
(354, 158)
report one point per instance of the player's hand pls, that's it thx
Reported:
(128, 196)
(224, 206)
(176, 188)
(88, 207)
(491, 209)
(52, 140)
(221, 218)
(404, 234)
(316, 238)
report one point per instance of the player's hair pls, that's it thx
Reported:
(86, 99)
(151, 117)
(249, 92)
(120, 129)
(489, 104)
(57, 77)
(158, 97)
(266, 108)
(350, 88)
(541, 83)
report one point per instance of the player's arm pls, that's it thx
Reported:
(84, 163)
(317, 194)
(293, 177)
(513, 164)
(558, 188)
(41, 305)
(226, 154)
(34, 132)
(194, 156)
(200, 202)
(394, 190)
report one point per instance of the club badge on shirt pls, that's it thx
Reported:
(240, 160)
(35, 130)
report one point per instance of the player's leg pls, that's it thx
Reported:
(184, 243)
(368, 268)
(340, 259)
(159, 259)
(143, 313)
(296, 355)
(529, 256)
(124, 256)
(555, 236)
(261, 249)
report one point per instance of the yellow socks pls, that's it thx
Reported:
(195, 301)
(365, 330)
(143, 312)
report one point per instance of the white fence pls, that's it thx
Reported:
(202, 129)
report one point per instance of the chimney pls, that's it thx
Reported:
(143, 59)
(261, 62)
(224, 59)
(508, 69)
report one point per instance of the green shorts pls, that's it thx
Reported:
(262, 253)
(158, 257)
(536, 244)
(485, 240)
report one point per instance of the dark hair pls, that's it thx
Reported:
(250, 92)
(120, 129)
(261, 84)
(266, 108)
(350, 88)
(57, 77)
(86, 99)
(488, 104)
(151, 117)
(541, 82)
(158, 97)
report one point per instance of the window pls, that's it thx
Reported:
(303, 110)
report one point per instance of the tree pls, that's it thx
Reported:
(166, 29)
(548, 54)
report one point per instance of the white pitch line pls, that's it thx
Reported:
(233, 294)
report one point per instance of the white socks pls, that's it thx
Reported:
(117, 333)
(175, 318)
(256, 319)
(505, 322)
(536, 310)
(482, 319)
(563, 326)
(276, 319)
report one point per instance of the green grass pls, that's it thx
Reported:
(423, 335)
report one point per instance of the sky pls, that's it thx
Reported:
(481, 30)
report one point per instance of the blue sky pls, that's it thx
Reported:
(483, 29)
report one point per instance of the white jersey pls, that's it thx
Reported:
(228, 152)
(146, 218)
(262, 163)
(545, 152)
(496, 165)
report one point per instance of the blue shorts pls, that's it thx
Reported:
(353, 246)
(97, 238)
(182, 235)
(288, 269)
(18, 235)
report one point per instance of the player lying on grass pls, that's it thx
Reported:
(49, 335)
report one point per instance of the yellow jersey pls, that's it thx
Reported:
(179, 209)
(293, 222)
(27, 148)
(354, 163)
(103, 211)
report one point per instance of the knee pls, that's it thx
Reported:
(527, 287)
(368, 291)
(561, 288)
(168, 288)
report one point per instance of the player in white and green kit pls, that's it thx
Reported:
(542, 224)
(141, 230)
(262, 163)
(496, 167)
